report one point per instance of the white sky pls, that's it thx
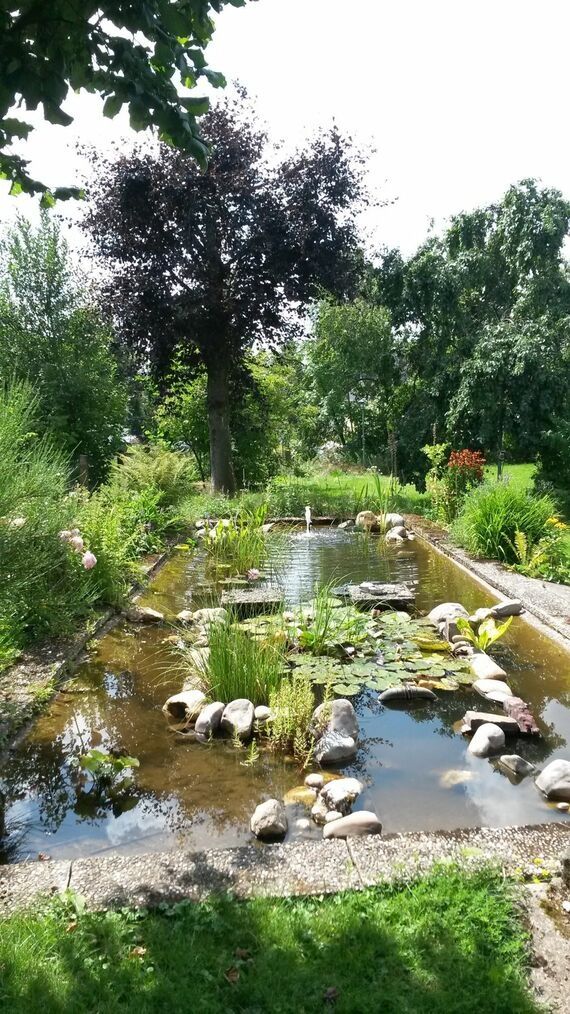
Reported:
(459, 98)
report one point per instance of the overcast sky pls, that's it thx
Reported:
(459, 99)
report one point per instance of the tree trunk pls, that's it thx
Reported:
(223, 478)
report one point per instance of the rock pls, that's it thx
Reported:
(319, 811)
(341, 793)
(486, 687)
(479, 615)
(367, 520)
(392, 536)
(484, 668)
(335, 716)
(184, 616)
(302, 824)
(269, 820)
(475, 719)
(510, 607)
(332, 815)
(564, 807)
(359, 823)
(519, 710)
(208, 721)
(266, 528)
(300, 794)
(262, 714)
(400, 530)
(554, 781)
(377, 595)
(392, 520)
(445, 611)
(183, 709)
(204, 617)
(487, 740)
(497, 697)
(515, 765)
(344, 525)
(237, 718)
(315, 781)
(333, 748)
(408, 692)
(144, 614)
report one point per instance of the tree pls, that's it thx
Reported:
(135, 53)
(214, 262)
(51, 337)
(479, 303)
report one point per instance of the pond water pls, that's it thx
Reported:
(416, 768)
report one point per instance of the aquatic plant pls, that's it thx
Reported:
(238, 541)
(292, 704)
(486, 634)
(237, 665)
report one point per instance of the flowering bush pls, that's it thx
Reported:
(448, 484)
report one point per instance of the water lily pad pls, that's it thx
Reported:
(346, 690)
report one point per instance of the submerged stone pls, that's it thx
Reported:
(143, 614)
(516, 765)
(251, 601)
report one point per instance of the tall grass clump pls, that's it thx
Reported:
(492, 515)
(43, 587)
(238, 542)
(292, 704)
(240, 666)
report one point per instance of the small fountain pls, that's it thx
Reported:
(308, 519)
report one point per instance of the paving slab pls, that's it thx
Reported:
(407, 855)
(25, 883)
(312, 867)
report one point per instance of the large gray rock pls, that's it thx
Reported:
(475, 719)
(554, 781)
(332, 748)
(238, 718)
(488, 739)
(447, 611)
(315, 781)
(392, 520)
(393, 535)
(515, 765)
(486, 687)
(205, 617)
(143, 614)
(367, 520)
(484, 668)
(359, 823)
(269, 820)
(319, 811)
(341, 793)
(208, 721)
(335, 716)
(510, 607)
(183, 709)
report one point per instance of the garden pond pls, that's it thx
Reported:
(417, 771)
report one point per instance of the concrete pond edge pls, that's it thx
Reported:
(282, 870)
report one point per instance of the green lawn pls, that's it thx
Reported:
(448, 944)
(520, 476)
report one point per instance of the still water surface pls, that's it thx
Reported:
(417, 771)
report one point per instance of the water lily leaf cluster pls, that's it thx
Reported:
(385, 650)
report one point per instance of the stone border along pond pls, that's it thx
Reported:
(417, 657)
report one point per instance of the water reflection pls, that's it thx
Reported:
(416, 768)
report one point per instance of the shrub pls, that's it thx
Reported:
(553, 471)
(239, 666)
(292, 704)
(171, 473)
(448, 483)
(491, 516)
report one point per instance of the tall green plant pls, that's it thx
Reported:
(239, 666)
(491, 516)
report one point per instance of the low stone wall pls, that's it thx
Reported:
(299, 868)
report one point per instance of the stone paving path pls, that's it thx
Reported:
(299, 868)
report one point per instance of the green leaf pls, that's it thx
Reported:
(112, 105)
